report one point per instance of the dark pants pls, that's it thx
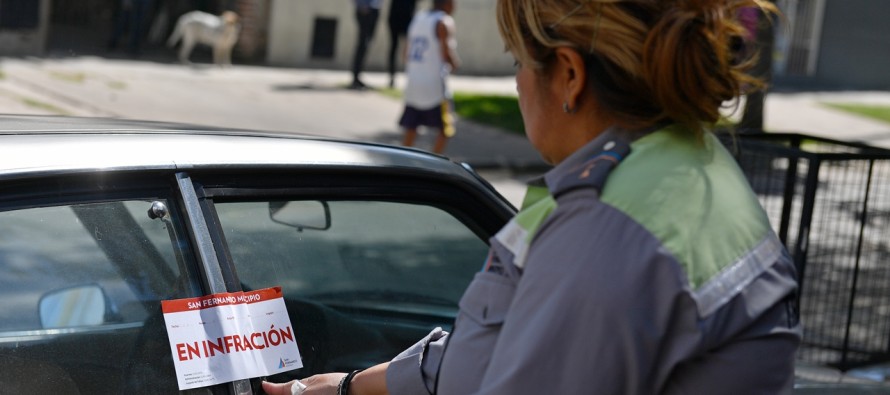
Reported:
(400, 14)
(394, 36)
(367, 21)
(133, 17)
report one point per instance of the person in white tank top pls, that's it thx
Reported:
(430, 57)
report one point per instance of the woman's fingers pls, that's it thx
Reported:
(278, 388)
(319, 384)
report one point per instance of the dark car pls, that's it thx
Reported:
(101, 220)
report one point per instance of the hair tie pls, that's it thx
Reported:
(567, 15)
(596, 26)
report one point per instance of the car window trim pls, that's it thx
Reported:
(199, 231)
(215, 281)
(458, 197)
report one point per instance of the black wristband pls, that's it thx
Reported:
(343, 388)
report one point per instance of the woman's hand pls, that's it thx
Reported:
(321, 384)
(371, 381)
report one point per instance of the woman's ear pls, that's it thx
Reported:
(569, 76)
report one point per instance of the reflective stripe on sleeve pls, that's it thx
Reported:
(515, 239)
(733, 279)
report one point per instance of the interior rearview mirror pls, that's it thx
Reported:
(81, 305)
(301, 214)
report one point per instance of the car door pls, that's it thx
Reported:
(368, 262)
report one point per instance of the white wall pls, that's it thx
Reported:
(479, 43)
(291, 24)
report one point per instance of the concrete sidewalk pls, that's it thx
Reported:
(807, 113)
(316, 102)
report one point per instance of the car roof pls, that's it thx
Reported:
(31, 145)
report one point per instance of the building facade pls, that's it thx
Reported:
(833, 44)
(820, 44)
(323, 34)
(24, 27)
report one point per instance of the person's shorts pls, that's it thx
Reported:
(438, 117)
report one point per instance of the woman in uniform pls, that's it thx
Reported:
(642, 262)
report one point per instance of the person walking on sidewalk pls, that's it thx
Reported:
(366, 14)
(431, 55)
(400, 14)
(642, 263)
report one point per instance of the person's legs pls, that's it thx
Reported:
(137, 21)
(409, 122)
(393, 48)
(438, 117)
(367, 21)
(121, 21)
(361, 45)
(441, 141)
(410, 137)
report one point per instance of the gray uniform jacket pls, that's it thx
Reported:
(661, 276)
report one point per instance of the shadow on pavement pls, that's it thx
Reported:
(307, 87)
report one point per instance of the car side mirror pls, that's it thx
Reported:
(302, 214)
(82, 305)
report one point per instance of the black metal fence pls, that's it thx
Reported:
(829, 201)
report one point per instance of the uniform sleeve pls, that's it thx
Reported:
(592, 310)
(414, 371)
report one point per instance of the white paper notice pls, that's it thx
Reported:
(230, 336)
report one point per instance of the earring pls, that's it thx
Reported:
(566, 109)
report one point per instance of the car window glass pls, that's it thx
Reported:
(381, 275)
(151, 228)
(79, 284)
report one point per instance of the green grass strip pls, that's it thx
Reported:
(495, 110)
(43, 106)
(501, 111)
(881, 113)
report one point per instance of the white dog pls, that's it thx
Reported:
(219, 32)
